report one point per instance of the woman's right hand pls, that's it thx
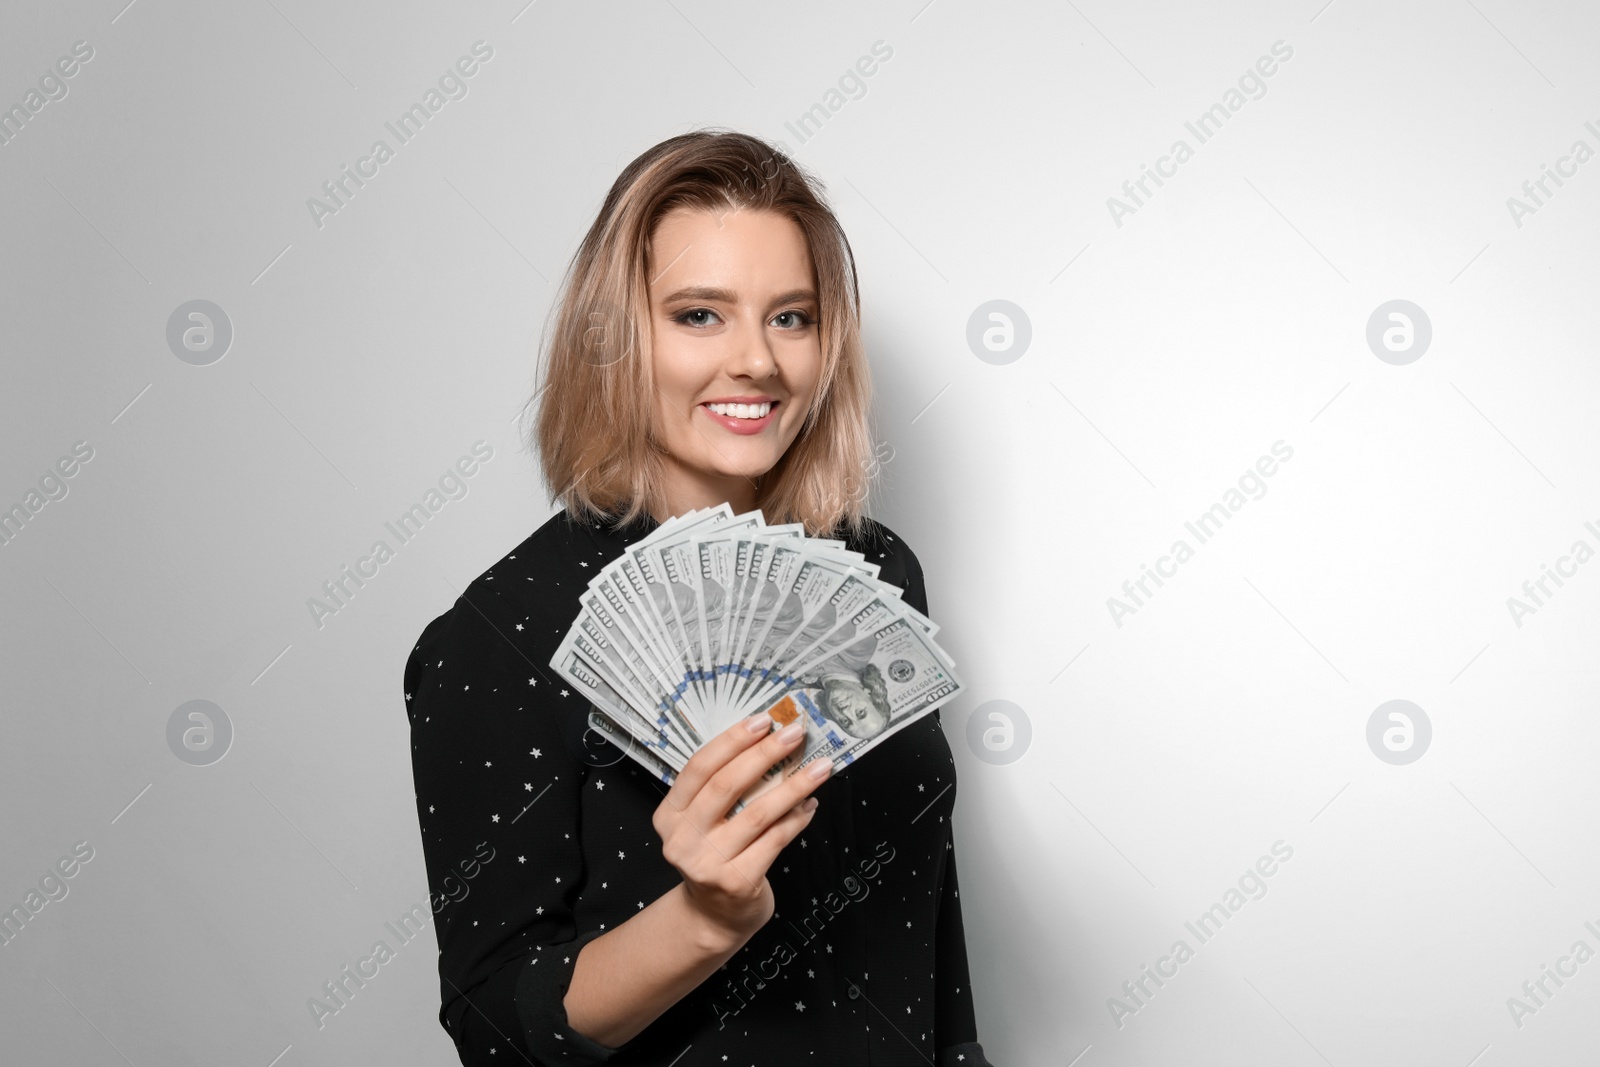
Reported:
(724, 861)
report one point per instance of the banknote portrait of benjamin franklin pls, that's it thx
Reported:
(849, 689)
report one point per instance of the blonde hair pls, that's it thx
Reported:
(595, 432)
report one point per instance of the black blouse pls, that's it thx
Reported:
(537, 836)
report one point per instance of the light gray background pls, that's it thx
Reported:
(1167, 354)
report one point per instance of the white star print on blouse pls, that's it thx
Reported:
(541, 878)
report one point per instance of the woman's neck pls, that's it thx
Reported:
(688, 494)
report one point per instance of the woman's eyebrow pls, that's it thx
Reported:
(795, 296)
(727, 296)
(701, 292)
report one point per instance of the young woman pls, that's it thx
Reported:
(706, 349)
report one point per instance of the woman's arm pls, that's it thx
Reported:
(488, 723)
(956, 1029)
(623, 980)
(955, 1017)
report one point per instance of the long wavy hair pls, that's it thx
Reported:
(596, 430)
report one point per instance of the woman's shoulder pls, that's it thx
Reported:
(878, 541)
(527, 591)
(897, 563)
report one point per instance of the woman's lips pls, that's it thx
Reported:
(741, 426)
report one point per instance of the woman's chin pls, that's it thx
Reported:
(749, 469)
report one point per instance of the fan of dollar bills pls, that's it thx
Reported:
(715, 616)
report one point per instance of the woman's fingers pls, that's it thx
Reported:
(737, 833)
(712, 757)
(709, 809)
(724, 861)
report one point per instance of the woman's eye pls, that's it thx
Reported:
(798, 319)
(691, 314)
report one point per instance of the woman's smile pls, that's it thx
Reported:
(742, 418)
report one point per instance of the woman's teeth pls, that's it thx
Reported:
(742, 411)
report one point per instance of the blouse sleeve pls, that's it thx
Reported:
(498, 794)
(956, 1028)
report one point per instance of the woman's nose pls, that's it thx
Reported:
(753, 355)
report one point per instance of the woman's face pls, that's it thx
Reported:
(733, 316)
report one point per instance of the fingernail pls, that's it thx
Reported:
(758, 724)
(819, 769)
(790, 732)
